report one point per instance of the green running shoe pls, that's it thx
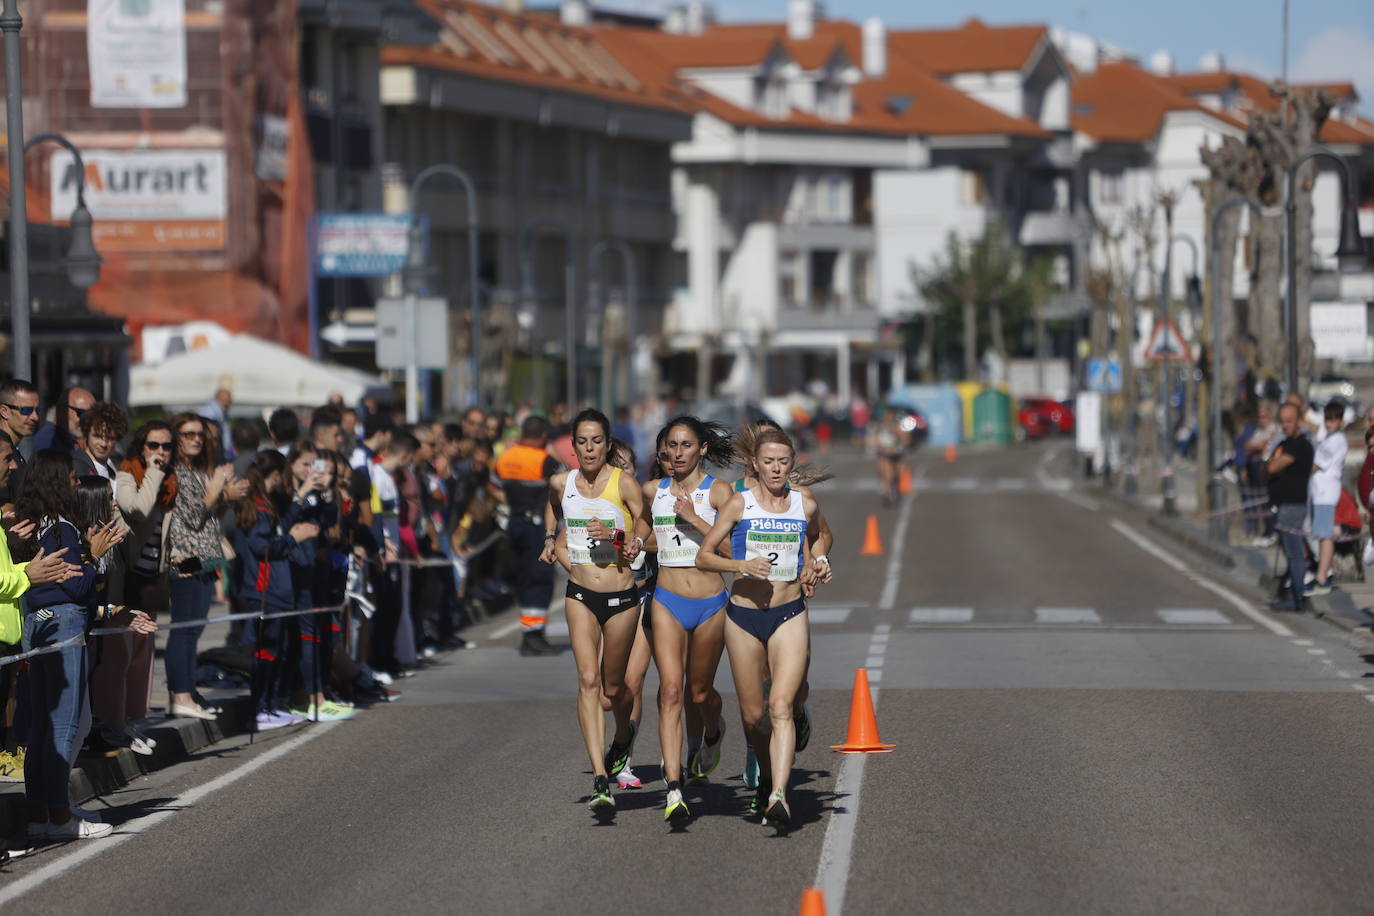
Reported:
(803, 723)
(617, 756)
(601, 794)
(675, 809)
(708, 757)
(759, 802)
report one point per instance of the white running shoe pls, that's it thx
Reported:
(77, 829)
(627, 779)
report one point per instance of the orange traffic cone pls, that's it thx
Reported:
(904, 485)
(813, 902)
(863, 724)
(873, 541)
(951, 452)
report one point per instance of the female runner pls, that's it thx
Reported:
(688, 630)
(599, 503)
(801, 477)
(623, 457)
(768, 526)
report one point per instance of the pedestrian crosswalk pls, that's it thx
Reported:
(1071, 616)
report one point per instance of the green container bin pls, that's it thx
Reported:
(992, 418)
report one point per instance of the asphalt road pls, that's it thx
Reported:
(1082, 726)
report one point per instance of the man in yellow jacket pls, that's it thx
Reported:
(15, 580)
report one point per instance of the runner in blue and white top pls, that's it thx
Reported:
(773, 529)
(688, 629)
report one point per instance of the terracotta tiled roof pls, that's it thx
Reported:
(1123, 103)
(905, 100)
(973, 47)
(1254, 94)
(538, 51)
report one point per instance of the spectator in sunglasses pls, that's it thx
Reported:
(64, 432)
(19, 420)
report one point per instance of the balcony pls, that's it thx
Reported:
(829, 315)
(1049, 227)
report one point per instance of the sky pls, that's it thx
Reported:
(1331, 40)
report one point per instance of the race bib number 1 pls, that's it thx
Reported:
(677, 544)
(781, 548)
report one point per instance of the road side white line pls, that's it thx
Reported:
(873, 661)
(894, 560)
(832, 872)
(504, 631)
(940, 615)
(1236, 601)
(88, 850)
(1192, 616)
(1067, 615)
(1078, 499)
(828, 615)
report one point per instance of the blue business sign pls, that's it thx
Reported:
(361, 244)
(1104, 375)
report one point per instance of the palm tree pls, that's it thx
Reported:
(984, 281)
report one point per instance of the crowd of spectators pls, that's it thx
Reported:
(346, 548)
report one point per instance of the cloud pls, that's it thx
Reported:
(1339, 54)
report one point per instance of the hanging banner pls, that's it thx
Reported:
(137, 53)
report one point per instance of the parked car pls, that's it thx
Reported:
(1328, 387)
(1040, 417)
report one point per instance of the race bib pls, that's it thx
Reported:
(583, 551)
(677, 544)
(781, 548)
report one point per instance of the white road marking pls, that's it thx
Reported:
(1360, 687)
(873, 662)
(1079, 500)
(837, 849)
(557, 628)
(828, 615)
(1302, 642)
(504, 631)
(1345, 674)
(85, 851)
(1012, 483)
(1192, 616)
(1316, 651)
(894, 560)
(1058, 615)
(1159, 553)
(1370, 698)
(941, 615)
(879, 639)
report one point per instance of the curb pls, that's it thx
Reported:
(178, 740)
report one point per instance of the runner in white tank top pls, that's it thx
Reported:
(688, 628)
(601, 504)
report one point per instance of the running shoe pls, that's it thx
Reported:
(76, 829)
(777, 813)
(751, 768)
(627, 779)
(617, 756)
(328, 712)
(708, 757)
(268, 720)
(803, 723)
(675, 809)
(601, 794)
(758, 802)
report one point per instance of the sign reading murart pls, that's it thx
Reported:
(137, 53)
(144, 200)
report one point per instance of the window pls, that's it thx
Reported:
(1109, 186)
(971, 190)
(861, 267)
(789, 279)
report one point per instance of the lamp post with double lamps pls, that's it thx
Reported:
(1350, 251)
(528, 290)
(415, 264)
(1219, 296)
(627, 260)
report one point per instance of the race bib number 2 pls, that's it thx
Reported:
(780, 548)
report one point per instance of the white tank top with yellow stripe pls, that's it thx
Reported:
(578, 510)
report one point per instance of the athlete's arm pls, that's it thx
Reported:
(633, 498)
(553, 512)
(757, 568)
(560, 551)
(644, 528)
(818, 534)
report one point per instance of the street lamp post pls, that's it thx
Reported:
(1166, 392)
(1219, 296)
(569, 324)
(1350, 251)
(11, 23)
(627, 260)
(475, 306)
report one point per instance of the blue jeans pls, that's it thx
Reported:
(57, 690)
(191, 597)
(1290, 521)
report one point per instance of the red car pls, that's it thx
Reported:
(1041, 417)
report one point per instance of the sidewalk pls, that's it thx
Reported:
(177, 739)
(1350, 606)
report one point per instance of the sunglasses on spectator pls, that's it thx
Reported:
(24, 411)
(191, 434)
(79, 411)
(159, 446)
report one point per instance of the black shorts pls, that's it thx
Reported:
(604, 605)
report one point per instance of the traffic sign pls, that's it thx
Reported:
(1104, 375)
(362, 244)
(412, 332)
(1167, 344)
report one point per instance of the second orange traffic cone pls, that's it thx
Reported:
(951, 452)
(863, 724)
(812, 902)
(873, 541)
(904, 484)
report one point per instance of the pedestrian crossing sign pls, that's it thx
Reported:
(1167, 343)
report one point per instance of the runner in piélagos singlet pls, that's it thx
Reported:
(688, 628)
(599, 504)
(772, 529)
